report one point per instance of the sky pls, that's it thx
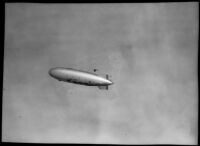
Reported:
(149, 50)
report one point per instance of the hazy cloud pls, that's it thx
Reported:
(149, 50)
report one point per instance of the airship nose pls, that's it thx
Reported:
(52, 72)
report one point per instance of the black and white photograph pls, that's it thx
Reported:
(101, 73)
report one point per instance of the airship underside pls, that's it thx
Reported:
(80, 77)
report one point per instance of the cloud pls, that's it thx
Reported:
(148, 49)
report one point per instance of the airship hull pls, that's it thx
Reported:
(78, 77)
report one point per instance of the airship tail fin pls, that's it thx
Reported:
(103, 87)
(107, 77)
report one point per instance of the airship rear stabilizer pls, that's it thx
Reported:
(104, 87)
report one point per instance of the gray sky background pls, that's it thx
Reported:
(150, 50)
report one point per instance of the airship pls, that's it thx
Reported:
(80, 77)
